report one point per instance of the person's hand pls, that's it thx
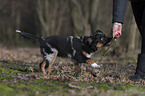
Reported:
(117, 28)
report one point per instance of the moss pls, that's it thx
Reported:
(127, 87)
(5, 78)
(57, 82)
(9, 72)
(18, 86)
(103, 86)
(118, 87)
(48, 89)
(36, 88)
(6, 90)
(38, 80)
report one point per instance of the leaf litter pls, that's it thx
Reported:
(23, 64)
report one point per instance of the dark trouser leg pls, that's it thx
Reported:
(139, 14)
(143, 32)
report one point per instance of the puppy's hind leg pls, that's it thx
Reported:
(42, 66)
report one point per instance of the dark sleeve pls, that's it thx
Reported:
(119, 8)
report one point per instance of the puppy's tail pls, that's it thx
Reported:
(30, 36)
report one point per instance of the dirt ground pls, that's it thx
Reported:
(20, 75)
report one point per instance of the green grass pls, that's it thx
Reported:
(6, 90)
(112, 79)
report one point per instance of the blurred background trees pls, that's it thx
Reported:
(64, 17)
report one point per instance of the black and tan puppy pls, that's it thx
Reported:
(79, 49)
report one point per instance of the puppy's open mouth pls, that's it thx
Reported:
(99, 45)
(108, 43)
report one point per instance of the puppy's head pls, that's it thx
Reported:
(98, 40)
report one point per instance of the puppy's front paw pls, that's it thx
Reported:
(95, 65)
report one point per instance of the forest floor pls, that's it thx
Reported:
(20, 76)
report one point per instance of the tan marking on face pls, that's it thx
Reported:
(99, 45)
(90, 61)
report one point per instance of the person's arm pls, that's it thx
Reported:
(119, 8)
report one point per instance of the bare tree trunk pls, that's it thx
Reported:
(94, 10)
(81, 19)
(84, 16)
(42, 10)
(54, 16)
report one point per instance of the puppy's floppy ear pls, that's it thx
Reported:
(89, 41)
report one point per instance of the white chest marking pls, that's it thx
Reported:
(48, 57)
(89, 55)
